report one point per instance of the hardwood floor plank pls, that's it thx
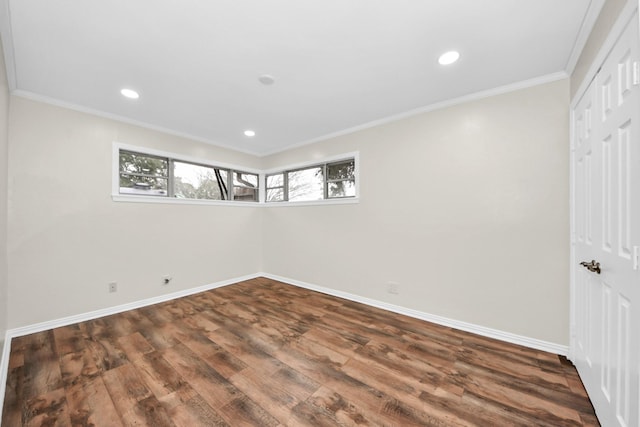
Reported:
(384, 380)
(78, 367)
(48, 409)
(14, 397)
(42, 369)
(192, 411)
(154, 413)
(374, 403)
(519, 368)
(159, 336)
(200, 323)
(261, 352)
(217, 357)
(329, 339)
(244, 350)
(90, 404)
(69, 339)
(494, 410)
(388, 359)
(18, 348)
(518, 401)
(476, 411)
(126, 389)
(298, 385)
(158, 374)
(243, 411)
(309, 415)
(109, 327)
(273, 398)
(208, 382)
(102, 344)
(336, 408)
(317, 350)
(135, 346)
(277, 393)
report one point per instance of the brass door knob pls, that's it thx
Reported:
(592, 266)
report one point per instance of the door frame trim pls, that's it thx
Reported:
(616, 31)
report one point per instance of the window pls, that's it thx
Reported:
(143, 174)
(192, 181)
(152, 175)
(305, 184)
(245, 186)
(341, 179)
(335, 180)
(275, 187)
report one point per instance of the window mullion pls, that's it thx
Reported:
(170, 179)
(325, 181)
(285, 183)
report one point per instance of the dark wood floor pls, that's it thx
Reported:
(263, 353)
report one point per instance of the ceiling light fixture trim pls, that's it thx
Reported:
(266, 79)
(130, 93)
(449, 57)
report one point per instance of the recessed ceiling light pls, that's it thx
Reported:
(449, 57)
(130, 93)
(249, 132)
(266, 79)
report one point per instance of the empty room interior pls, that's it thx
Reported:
(319, 213)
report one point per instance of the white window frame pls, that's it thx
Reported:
(119, 197)
(304, 165)
(116, 196)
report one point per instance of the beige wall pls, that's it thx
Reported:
(4, 115)
(67, 239)
(465, 207)
(607, 17)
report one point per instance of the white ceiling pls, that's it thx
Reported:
(337, 64)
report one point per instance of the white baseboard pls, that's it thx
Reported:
(444, 321)
(56, 323)
(4, 369)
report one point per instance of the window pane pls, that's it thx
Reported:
(245, 187)
(143, 174)
(275, 180)
(199, 182)
(134, 163)
(342, 189)
(306, 184)
(245, 179)
(245, 194)
(143, 185)
(342, 170)
(275, 194)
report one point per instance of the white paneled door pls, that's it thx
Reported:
(605, 343)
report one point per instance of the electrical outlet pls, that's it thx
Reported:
(113, 287)
(166, 280)
(393, 288)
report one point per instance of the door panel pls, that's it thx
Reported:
(606, 165)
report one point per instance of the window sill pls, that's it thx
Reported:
(345, 201)
(172, 200)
